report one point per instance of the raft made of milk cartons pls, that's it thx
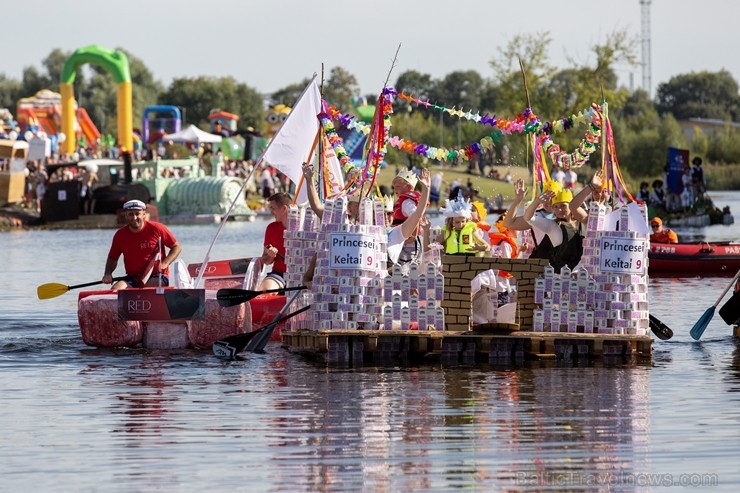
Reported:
(105, 323)
(362, 313)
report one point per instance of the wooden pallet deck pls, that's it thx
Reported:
(359, 347)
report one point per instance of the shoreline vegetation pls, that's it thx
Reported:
(719, 177)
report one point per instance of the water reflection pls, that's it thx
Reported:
(420, 429)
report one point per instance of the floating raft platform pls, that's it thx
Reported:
(358, 347)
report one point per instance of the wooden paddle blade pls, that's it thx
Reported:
(51, 290)
(661, 330)
(701, 325)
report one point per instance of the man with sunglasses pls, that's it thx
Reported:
(661, 234)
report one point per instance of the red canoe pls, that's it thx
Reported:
(101, 326)
(694, 259)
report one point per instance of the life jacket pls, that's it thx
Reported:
(457, 242)
(398, 216)
(664, 236)
(569, 252)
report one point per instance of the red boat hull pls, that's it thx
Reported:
(694, 259)
(101, 326)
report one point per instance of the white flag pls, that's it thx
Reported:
(289, 149)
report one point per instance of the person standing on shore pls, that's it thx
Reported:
(142, 244)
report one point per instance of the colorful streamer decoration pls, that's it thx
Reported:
(334, 139)
(583, 151)
(610, 164)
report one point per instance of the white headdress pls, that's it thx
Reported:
(388, 203)
(461, 207)
(408, 176)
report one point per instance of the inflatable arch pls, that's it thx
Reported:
(114, 62)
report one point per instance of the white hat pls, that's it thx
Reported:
(134, 205)
(407, 175)
(388, 203)
(458, 208)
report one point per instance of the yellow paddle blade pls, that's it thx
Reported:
(51, 290)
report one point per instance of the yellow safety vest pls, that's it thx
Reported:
(460, 241)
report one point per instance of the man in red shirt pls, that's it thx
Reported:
(142, 244)
(661, 234)
(274, 253)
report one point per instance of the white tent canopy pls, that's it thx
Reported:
(193, 134)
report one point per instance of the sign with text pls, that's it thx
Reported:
(172, 304)
(221, 268)
(353, 251)
(623, 255)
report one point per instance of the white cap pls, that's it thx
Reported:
(134, 205)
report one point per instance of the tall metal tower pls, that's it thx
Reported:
(646, 64)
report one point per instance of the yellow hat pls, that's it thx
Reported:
(481, 208)
(562, 196)
(552, 186)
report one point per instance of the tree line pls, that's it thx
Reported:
(643, 128)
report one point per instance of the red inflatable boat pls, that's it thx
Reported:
(103, 325)
(694, 259)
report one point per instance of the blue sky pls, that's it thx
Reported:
(269, 44)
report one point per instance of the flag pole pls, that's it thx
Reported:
(308, 160)
(241, 190)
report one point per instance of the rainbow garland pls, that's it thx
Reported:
(585, 148)
(566, 160)
(334, 139)
(526, 122)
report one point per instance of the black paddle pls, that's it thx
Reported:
(661, 330)
(234, 296)
(230, 346)
(701, 325)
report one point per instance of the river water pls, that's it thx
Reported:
(76, 418)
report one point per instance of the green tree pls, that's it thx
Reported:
(288, 95)
(200, 95)
(421, 86)
(10, 92)
(340, 88)
(700, 95)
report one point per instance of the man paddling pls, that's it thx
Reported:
(274, 251)
(142, 244)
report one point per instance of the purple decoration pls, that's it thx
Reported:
(421, 149)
